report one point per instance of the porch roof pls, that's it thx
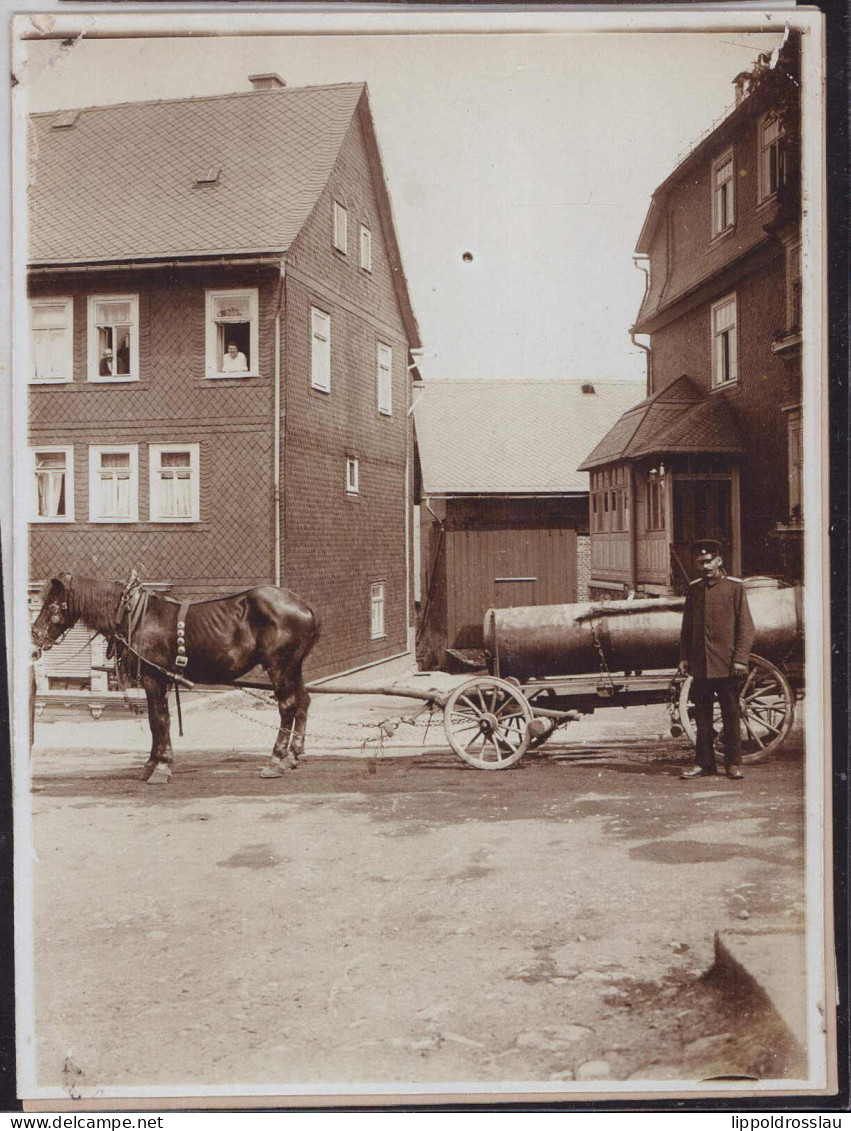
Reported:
(679, 418)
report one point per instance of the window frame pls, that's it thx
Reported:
(365, 259)
(340, 233)
(95, 452)
(154, 451)
(352, 480)
(68, 303)
(795, 468)
(378, 600)
(727, 156)
(53, 449)
(384, 385)
(655, 487)
(794, 304)
(764, 190)
(314, 383)
(212, 372)
(93, 353)
(733, 354)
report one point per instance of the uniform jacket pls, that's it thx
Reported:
(717, 629)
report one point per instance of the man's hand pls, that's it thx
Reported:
(684, 668)
(740, 670)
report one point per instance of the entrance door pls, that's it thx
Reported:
(703, 508)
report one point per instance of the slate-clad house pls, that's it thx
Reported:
(503, 510)
(220, 337)
(715, 448)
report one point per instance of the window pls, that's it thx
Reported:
(795, 434)
(376, 604)
(365, 248)
(114, 484)
(54, 484)
(341, 228)
(794, 284)
(174, 480)
(723, 211)
(232, 333)
(352, 473)
(51, 340)
(656, 504)
(320, 349)
(609, 501)
(770, 156)
(725, 364)
(385, 379)
(113, 337)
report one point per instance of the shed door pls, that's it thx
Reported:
(501, 568)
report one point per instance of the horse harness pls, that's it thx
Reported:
(129, 616)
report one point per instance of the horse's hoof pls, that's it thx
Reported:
(273, 770)
(147, 770)
(161, 774)
(292, 763)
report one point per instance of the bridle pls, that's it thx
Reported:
(57, 611)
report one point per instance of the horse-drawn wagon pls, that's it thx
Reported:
(548, 664)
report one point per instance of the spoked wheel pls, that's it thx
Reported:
(486, 723)
(766, 706)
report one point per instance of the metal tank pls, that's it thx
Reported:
(632, 635)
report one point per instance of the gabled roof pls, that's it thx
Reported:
(512, 436)
(679, 418)
(116, 183)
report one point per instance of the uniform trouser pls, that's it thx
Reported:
(703, 693)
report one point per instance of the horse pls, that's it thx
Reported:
(223, 638)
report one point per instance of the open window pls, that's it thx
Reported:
(723, 194)
(232, 333)
(53, 469)
(113, 338)
(771, 172)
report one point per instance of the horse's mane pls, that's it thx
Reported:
(94, 601)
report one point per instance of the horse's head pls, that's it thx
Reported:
(55, 616)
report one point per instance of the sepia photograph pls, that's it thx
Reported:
(419, 441)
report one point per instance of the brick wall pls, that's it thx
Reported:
(337, 545)
(583, 567)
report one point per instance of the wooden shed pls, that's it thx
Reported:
(503, 512)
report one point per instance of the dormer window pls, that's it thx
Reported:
(723, 203)
(341, 228)
(209, 176)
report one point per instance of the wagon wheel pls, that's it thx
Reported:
(486, 723)
(767, 707)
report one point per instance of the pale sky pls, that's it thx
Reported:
(535, 153)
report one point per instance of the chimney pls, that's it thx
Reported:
(742, 83)
(588, 389)
(270, 81)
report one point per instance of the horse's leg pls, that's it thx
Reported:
(158, 767)
(300, 718)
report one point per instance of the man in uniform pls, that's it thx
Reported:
(715, 644)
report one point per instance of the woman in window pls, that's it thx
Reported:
(234, 360)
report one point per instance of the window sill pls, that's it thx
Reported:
(43, 381)
(112, 380)
(787, 344)
(385, 412)
(766, 203)
(174, 521)
(724, 386)
(320, 389)
(720, 237)
(352, 494)
(113, 521)
(41, 521)
(366, 270)
(375, 639)
(239, 376)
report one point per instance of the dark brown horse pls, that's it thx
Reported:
(225, 638)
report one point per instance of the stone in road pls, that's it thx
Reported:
(424, 923)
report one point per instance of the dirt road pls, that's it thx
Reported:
(425, 922)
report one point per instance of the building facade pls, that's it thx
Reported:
(715, 449)
(219, 381)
